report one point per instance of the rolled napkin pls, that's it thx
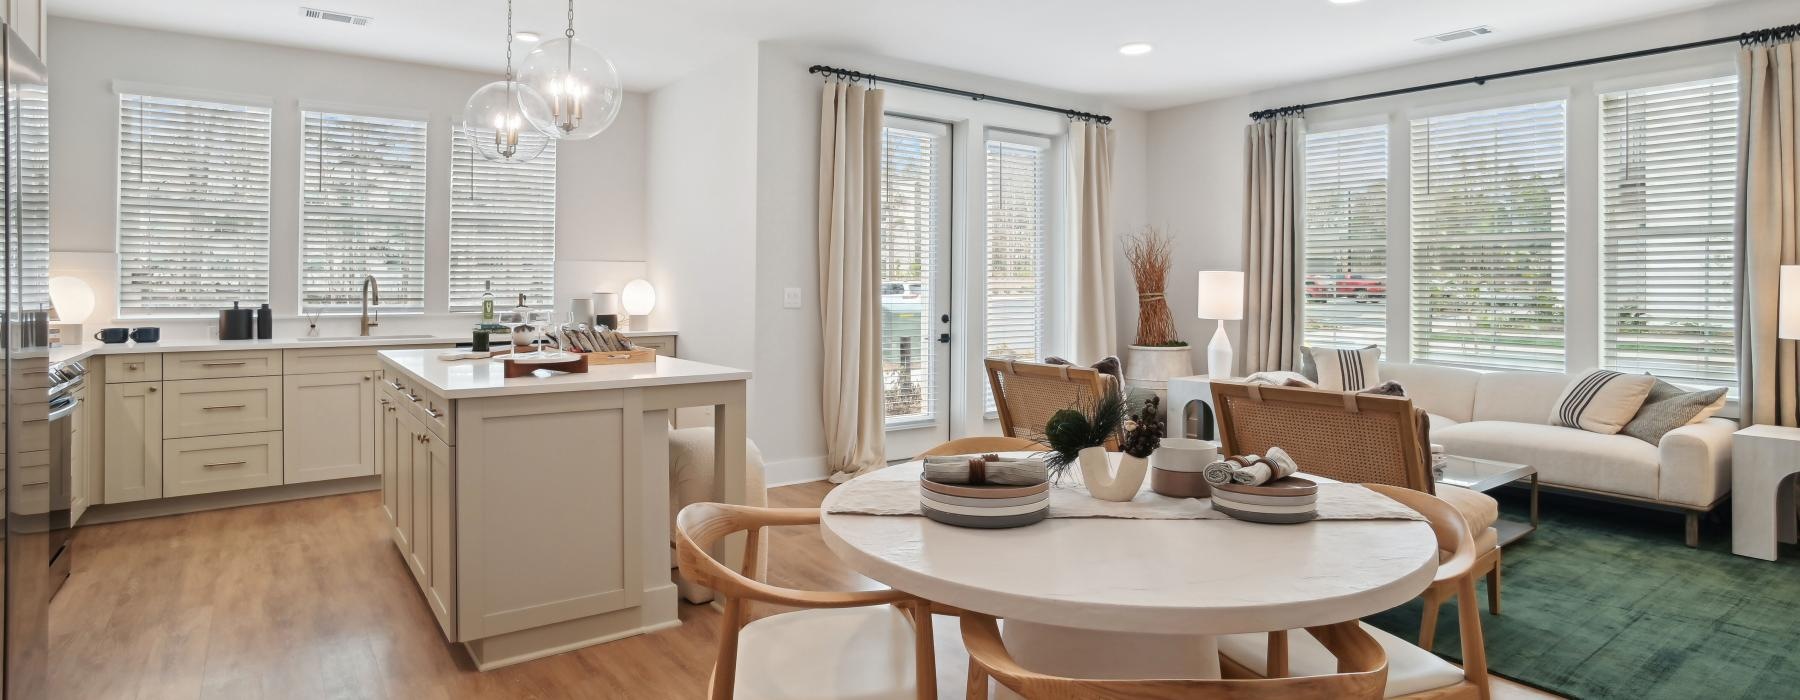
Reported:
(1221, 472)
(986, 469)
(1271, 467)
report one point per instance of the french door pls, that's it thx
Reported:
(917, 193)
(965, 235)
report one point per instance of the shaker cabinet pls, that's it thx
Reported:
(134, 449)
(418, 492)
(330, 425)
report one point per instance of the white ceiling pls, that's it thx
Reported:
(1204, 48)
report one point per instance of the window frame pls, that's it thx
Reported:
(123, 89)
(450, 232)
(424, 265)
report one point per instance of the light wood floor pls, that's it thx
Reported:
(309, 599)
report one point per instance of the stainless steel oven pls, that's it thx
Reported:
(64, 380)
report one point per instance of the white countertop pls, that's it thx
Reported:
(467, 379)
(91, 348)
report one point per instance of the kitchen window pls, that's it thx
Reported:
(193, 205)
(362, 211)
(1669, 178)
(1345, 238)
(502, 228)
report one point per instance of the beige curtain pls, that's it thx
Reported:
(1768, 223)
(1271, 330)
(1090, 187)
(849, 303)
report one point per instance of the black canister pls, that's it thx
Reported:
(236, 323)
(265, 323)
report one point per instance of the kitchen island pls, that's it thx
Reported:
(533, 511)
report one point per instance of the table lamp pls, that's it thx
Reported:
(1787, 313)
(1221, 299)
(638, 298)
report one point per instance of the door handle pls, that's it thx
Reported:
(944, 338)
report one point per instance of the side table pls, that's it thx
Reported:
(1764, 461)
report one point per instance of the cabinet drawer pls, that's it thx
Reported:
(221, 463)
(430, 409)
(357, 359)
(211, 365)
(133, 368)
(664, 345)
(197, 407)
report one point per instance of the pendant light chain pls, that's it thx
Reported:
(570, 32)
(509, 42)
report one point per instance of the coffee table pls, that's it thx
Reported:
(1485, 475)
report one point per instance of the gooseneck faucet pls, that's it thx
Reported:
(371, 296)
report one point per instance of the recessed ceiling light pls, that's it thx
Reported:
(1136, 48)
(526, 36)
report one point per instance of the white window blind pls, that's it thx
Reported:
(502, 228)
(1018, 231)
(914, 212)
(1345, 239)
(193, 206)
(1488, 237)
(32, 145)
(1669, 169)
(362, 211)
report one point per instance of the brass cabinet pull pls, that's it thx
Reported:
(367, 377)
(412, 397)
(221, 408)
(223, 364)
(216, 465)
(151, 390)
(396, 384)
(433, 412)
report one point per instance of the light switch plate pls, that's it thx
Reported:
(790, 298)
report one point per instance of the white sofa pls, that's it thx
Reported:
(1505, 416)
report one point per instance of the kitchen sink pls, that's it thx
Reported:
(341, 338)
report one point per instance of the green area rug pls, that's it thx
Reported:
(1605, 601)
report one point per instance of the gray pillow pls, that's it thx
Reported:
(1666, 408)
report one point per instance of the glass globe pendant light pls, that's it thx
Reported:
(579, 83)
(498, 118)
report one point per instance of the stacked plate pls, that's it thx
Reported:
(985, 506)
(1290, 500)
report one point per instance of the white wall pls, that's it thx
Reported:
(600, 185)
(786, 422)
(1195, 166)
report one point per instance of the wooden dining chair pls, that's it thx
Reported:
(865, 645)
(983, 444)
(1413, 672)
(1357, 438)
(1026, 394)
(1360, 670)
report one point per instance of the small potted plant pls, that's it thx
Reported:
(1079, 437)
(1158, 353)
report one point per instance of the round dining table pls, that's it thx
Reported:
(1139, 598)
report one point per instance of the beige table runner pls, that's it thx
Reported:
(895, 491)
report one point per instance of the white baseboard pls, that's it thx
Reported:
(788, 472)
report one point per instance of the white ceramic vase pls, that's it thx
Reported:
(1103, 482)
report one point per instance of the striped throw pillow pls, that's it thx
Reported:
(1351, 369)
(1601, 401)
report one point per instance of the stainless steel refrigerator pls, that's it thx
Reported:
(32, 486)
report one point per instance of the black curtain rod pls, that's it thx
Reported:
(976, 96)
(1746, 38)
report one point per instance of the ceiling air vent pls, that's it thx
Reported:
(333, 16)
(1450, 36)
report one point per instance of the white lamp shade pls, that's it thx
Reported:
(1787, 323)
(1222, 295)
(73, 298)
(606, 303)
(638, 297)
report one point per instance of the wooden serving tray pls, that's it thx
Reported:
(621, 357)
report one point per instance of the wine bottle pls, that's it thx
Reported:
(487, 302)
